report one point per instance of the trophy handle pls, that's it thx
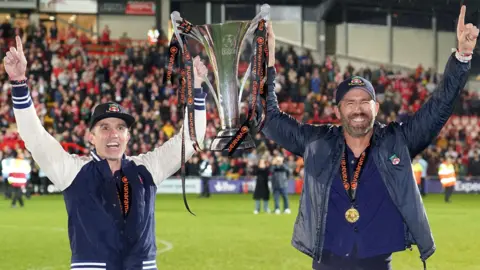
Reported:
(217, 103)
(210, 87)
(174, 18)
(264, 14)
(244, 80)
(194, 34)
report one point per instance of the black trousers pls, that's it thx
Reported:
(8, 190)
(448, 193)
(422, 187)
(205, 188)
(17, 196)
(333, 262)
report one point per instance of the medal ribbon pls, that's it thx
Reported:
(351, 186)
(124, 196)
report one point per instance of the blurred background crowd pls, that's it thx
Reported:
(67, 81)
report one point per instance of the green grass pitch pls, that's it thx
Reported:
(225, 235)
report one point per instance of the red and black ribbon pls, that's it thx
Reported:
(188, 83)
(257, 78)
(124, 195)
(185, 92)
(351, 185)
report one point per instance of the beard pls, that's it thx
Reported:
(357, 129)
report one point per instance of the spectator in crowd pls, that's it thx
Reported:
(17, 170)
(423, 176)
(261, 193)
(474, 164)
(205, 171)
(280, 174)
(106, 35)
(418, 171)
(448, 177)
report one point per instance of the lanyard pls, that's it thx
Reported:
(351, 186)
(124, 195)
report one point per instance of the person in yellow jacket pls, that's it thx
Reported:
(448, 177)
(418, 172)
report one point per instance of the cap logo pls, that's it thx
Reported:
(356, 81)
(113, 108)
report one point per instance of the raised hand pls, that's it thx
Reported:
(200, 71)
(15, 62)
(271, 44)
(466, 34)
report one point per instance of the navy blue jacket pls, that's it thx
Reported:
(322, 146)
(100, 237)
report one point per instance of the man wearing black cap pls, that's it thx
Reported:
(106, 117)
(360, 201)
(110, 197)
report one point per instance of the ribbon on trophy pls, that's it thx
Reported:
(180, 54)
(258, 81)
(184, 92)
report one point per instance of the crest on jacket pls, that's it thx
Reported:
(395, 160)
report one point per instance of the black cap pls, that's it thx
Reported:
(353, 82)
(111, 109)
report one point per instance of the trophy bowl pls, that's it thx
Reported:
(223, 45)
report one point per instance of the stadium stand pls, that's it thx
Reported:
(69, 74)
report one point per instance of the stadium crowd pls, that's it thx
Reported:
(67, 81)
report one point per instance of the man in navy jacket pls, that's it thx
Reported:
(360, 202)
(110, 197)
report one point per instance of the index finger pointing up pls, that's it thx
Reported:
(461, 18)
(19, 44)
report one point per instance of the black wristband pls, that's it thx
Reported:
(14, 82)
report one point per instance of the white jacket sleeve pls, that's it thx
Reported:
(59, 166)
(165, 160)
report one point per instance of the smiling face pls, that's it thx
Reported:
(357, 112)
(110, 137)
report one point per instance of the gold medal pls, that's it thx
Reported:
(352, 215)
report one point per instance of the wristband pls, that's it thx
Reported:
(18, 82)
(462, 56)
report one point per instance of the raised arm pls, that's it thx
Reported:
(59, 166)
(420, 129)
(279, 126)
(165, 160)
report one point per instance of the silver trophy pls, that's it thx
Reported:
(223, 44)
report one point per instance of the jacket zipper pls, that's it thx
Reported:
(320, 234)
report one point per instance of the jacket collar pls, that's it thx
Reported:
(104, 168)
(97, 158)
(377, 130)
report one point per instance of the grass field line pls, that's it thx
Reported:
(167, 245)
(167, 248)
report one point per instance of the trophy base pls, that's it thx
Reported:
(225, 136)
